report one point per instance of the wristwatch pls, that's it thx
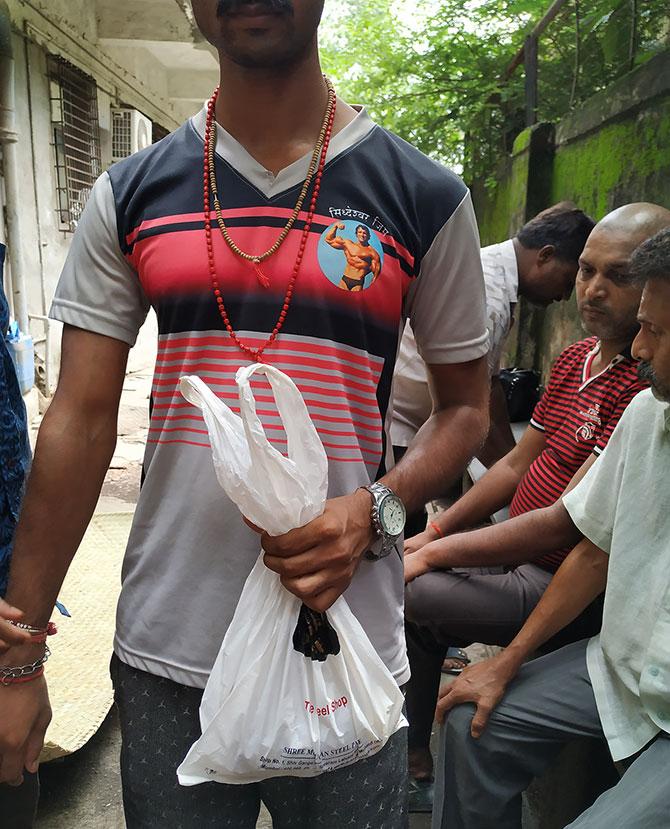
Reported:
(388, 519)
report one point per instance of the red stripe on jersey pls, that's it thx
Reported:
(282, 343)
(175, 265)
(156, 425)
(255, 212)
(204, 362)
(360, 413)
(229, 381)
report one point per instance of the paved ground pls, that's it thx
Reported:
(83, 791)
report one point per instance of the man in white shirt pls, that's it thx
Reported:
(617, 684)
(539, 264)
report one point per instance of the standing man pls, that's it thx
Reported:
(539, 264)
(616, 685)
(192, 225)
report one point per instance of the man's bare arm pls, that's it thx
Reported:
(495, 489)
(500, 439)
(450, 438)
(74, 447)
(333, 239)
(516, 541)
(579, 580)
(512, 542)
(375, 264)
(318, 561)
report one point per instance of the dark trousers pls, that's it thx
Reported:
(159, 723)
(550, 703)
(456, 608)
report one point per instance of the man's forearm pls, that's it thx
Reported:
(578, 581)
(439, 453)
(516, 541)
(71, 458)
(492, 492)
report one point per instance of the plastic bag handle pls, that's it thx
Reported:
(304, 443)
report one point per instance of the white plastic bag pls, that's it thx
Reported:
(267, 710)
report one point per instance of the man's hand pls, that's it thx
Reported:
(484, 684)
(416, 564)
(416, 542)
(11, 636)
(317, 562)
(26, 713)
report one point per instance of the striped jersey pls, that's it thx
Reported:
(394, 236)
(577, 413)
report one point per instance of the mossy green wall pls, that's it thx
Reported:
(625, 161)
(603, 158)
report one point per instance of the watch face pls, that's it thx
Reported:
(392, 515)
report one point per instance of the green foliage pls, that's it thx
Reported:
(433, 71)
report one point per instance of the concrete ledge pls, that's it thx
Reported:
(627, 93)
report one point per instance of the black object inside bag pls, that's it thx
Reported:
(314, 636)
(522, 391)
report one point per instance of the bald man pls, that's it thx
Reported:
(480, 586)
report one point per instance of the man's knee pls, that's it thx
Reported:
(457, 728)
(421, 595)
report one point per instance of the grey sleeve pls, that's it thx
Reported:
(98, 290)
(447, 302)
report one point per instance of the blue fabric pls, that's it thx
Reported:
(14, 445)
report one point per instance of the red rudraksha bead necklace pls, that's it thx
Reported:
(210, 186)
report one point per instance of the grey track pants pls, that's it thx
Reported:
(479, 782)
(159, 723)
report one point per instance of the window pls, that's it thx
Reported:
(74, 118)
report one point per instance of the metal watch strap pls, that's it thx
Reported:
(385, 544)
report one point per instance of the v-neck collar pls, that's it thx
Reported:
(587, 377)
(230, 150)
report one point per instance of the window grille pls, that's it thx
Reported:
(74, 119)
(121, 134)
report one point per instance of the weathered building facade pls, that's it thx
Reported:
(82, 83)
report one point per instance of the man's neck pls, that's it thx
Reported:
(608, 351)
(276, 116)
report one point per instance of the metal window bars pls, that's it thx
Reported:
(76, 134)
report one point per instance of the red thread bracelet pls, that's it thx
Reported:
(434, 526)
(20, 679)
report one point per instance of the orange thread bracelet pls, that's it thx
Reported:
(434, 526)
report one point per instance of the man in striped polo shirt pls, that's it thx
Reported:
(477, 586)
(253, 269)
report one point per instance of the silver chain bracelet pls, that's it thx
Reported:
(9, 674)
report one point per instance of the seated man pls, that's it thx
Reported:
(616, 685)
(539, 264)
(488, 598)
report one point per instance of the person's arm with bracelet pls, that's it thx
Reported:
(518, 540)
(578, 581)
(491, 492)
(75, 445)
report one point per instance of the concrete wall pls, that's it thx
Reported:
(127, 72)
(613, 150)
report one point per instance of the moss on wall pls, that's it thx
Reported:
(492, 202)
(615, 159)
(624, 161)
